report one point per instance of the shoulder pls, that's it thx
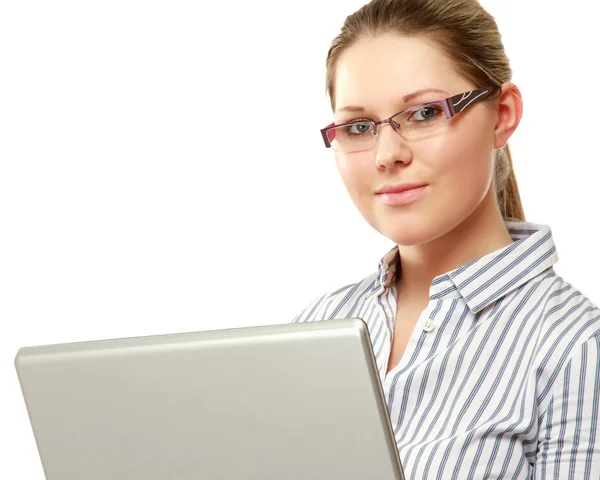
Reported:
(569, 333)
(341, 303)
(569, 316)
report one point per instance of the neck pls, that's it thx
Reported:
(481, 233)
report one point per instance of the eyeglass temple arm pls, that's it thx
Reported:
(463, 100)
(324, 135)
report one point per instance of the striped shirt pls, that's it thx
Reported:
(501, 375)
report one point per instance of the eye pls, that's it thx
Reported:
(358, 128)
(425, 113)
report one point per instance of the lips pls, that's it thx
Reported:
(403, 187)
(400, 195)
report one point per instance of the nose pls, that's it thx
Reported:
(391, 147)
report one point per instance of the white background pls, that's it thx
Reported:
(149, 183)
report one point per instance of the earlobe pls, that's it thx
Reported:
(510, 111)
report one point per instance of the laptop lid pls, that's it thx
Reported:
(293, 401)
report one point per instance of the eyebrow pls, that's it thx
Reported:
(407, 98)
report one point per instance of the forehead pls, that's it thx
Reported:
(376, 71)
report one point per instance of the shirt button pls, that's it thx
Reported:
(428, 326)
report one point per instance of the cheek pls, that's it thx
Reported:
(463, 166)
(353, 170)
(358, 176)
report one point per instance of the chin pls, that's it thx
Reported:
(407, 233)
(406, 239)
(415, 229)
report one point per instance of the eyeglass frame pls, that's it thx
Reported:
(451, 105)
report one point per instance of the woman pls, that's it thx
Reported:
(489, 361)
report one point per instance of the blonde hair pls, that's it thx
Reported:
(466, 33)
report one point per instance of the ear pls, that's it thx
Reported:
(510, 111)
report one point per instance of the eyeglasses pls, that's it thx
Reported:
(414, 122)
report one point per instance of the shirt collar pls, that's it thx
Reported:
(488, 278)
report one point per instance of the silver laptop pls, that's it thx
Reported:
(285, 402)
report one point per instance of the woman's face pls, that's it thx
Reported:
(455, 163)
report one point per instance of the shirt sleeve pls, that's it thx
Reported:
(569, 435)
(310, 312)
